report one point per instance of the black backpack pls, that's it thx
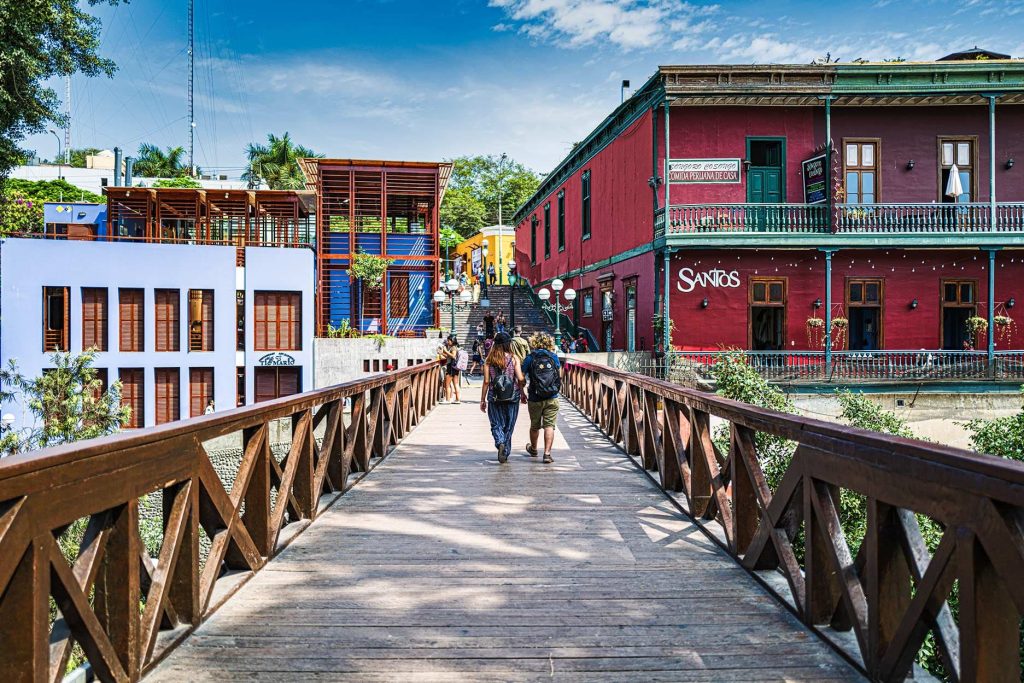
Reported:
(545, 380)
(504, 389)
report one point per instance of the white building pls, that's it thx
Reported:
(95, 179)
(180, 325)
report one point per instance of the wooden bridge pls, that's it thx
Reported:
(384, 542)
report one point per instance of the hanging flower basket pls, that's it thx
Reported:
(838, 329)
(815, 331)
(976, 326)
(1004, 328)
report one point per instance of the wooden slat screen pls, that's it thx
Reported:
(168, 319)
(398, 296)
(56, 318)
(168, 395)
(278, 321)
(200, 390)
(287, 381)
(131, 319)
(94, 318)
(200, 320)
(133, 395)
(273, 383)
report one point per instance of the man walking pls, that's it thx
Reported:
(492, 275)
(520, 346)
(543, 372)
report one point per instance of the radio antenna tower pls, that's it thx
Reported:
(191, 76)
(67, 129)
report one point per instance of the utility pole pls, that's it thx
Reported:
(501, 179)
(67, 129)
(191, 78)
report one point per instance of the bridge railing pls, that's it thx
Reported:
(940, 548)
(83, 575)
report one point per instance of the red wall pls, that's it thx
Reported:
(641, 267)
(907, 275)
(721, 132)
(622, 212)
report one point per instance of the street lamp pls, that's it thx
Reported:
(556, 306)
(501, 223)
(445, 298)
(60, 156)
(512, 293)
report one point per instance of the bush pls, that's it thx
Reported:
(1003, 436)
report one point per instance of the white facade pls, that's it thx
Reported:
(95, 179)
(29, 265)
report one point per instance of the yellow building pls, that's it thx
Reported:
(468, 257)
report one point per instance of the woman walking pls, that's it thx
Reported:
(450, 355)
(501, 393)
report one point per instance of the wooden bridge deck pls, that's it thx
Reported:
(442, 565)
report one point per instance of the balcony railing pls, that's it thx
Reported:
(688, 367)
(903, 218)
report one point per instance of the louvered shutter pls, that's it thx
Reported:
(260, 315)
(287, 381)
(398, 296)
(168, 397)
(266, 384)
(207, 319)
(296, 322)
(131, 319)
(200, 390)
(273, 320)
(132, 396)
(94, 318)
(167, 321)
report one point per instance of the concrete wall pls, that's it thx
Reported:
(341, 360)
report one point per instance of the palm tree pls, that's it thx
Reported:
(153, 162)
(276, 163)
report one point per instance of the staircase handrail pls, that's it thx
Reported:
(568, 324)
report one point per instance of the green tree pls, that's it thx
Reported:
(369, 270)
(51, 191)
(41, 40)
(78, 156)
(67, 403)
(475, 186)
(19, 213)
(153, 162)
(276, 163)
(1003, 436)
(183, 181)
(860, 411)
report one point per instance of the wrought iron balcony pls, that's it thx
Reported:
(898, 218)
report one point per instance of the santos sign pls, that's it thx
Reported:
(688, 279)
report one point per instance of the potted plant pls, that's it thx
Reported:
(976, 327)
(838, 331)
(1004, 328)
(815, 328)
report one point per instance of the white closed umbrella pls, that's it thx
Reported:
(954, 188)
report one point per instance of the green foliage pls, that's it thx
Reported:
(276, 163)
(18, 213)
(51, 190)
(658, 323)
(181, 181)
(471, 200)
(380, 339)
(369, 269)
(78, 156)
(41, 40)
(67, 402)
(153, 162)
(1003, 436)
(860, 411)
(449, 238)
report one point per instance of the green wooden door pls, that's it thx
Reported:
(764, 182)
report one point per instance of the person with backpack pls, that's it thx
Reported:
(501, 393)
(543, 370)
(520, 347)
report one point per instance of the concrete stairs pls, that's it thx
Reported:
(500, 297)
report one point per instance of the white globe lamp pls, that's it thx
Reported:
(439, 296)
(557, 285)
(544, 294)
(452, 285)
(570, 294)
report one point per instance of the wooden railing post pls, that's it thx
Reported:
(24, 618)
(256, 445)
(118, 592)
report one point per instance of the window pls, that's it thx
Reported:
(860, 164)
(200, 320)
(101, 375)
(240, 320)
(168, 321)
(278, 321)
(864, 309)
(547, 230)
(561, 221)
(958, 151)
(959, 298)
(588, 302)
(629, 288)
(94, 318)
(200, 390)
(767, 314)
(240, 386)
(533, 240)
(132, 396)
(131, 319)
(168, 396)
(585, 204)
(55, 319)
(274, 383)
(398, 295)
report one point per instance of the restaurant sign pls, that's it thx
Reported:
(703, 171)
(276, 359)
(814, 177)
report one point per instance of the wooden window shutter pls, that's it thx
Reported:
(207, 320)
(94, 318)
(200, 387)
(56, 318)
(168, 322)
(200, 320)
(278, 321)
(168, 397)
(131, 319)
(260, 320)
(266, 384)
(294, 334)
(287, 381)
(132, 396)
(398, 296)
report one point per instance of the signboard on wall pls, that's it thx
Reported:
(277, 359)
(692, 171)
(476, 261)
(715, 277)
(815, 180)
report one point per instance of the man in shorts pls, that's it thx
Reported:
(543, 372)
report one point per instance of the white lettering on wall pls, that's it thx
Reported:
(717, 277)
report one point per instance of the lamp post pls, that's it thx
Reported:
(60, 156)
(483, 270)
(501, 225)
(556, 306)
(512, 293)
(445, 299)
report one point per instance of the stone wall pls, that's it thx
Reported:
(341, 360)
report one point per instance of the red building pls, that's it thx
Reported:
(795, 203)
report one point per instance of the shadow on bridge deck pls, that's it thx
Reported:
(443, 565)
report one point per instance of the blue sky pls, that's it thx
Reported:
(433, 79)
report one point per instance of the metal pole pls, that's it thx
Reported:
(558, 318)
(991, 308)
(451, 300)
(191, 100)
(828, 311)
(60, 157)
(512, 301)
(991, 165)
(828, 161)
(667, 155)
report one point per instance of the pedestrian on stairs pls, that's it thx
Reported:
(488, 324)
(501, 393)
(492, 275)
(543, 371)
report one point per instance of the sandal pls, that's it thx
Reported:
(531, 450)
(548, 458)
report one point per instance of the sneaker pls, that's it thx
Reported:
(531, 450)
(548, 458)
(502, 454)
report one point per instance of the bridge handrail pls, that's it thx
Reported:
(142, 606)
(892, 588)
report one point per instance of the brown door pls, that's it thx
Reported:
(200, 390)
(273, 383)
(133, 396)
(168, 395)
